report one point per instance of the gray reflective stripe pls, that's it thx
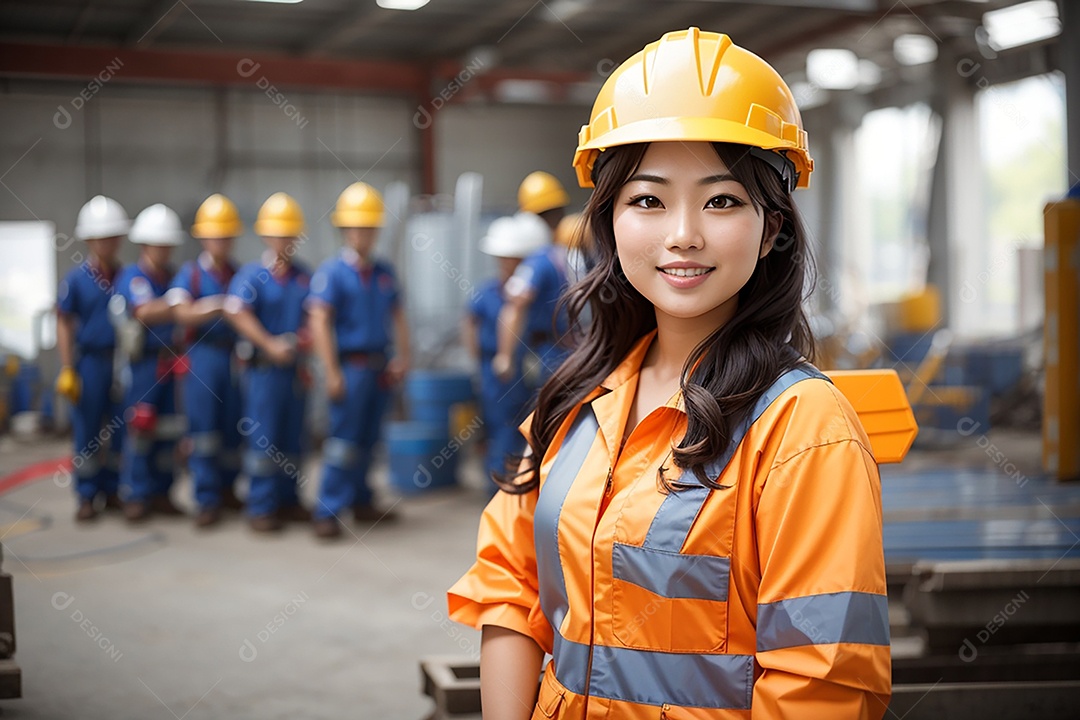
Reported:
(656, 678)
(170, 427)
(259, 464)
(672, 575)
(340, 453)
(205, 444)
(571, 457)
(673, 520)
(141, 444)
(843, 617)
(86, 467)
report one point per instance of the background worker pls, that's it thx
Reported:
(529, 313)
(266, 306)
(361, 336)
(211, 390)
(150, 350)
(86, 341)
(502, 403)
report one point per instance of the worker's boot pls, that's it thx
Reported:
(208, 517)
(86, 511)
(269, 523)
(163, 505)
(294, 513)
(136, 511)
(327, 528)
(370, 514)
(114, 503)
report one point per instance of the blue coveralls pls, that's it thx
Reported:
(147, 470)
(502, 404)
(363, 303)
(545, 274)
(98, 420)
(210, 388)
(273, 399)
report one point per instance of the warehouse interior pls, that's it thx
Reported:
(944, 214)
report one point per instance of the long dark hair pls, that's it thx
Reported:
(767, 336)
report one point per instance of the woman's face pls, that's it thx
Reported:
(687, 235)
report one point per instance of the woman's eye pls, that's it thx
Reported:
(723, 202)
(646, 201)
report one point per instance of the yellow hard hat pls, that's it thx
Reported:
(280, 216)
(697, 86)
(359, 205)
(217, 218)
(569, 231)
(540, 192)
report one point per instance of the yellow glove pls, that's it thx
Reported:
(68, 384)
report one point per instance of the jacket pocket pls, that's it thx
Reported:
(669, 601)
(551, 696)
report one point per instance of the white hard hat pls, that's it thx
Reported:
(101, 217)
(518, 236)
(157, 225)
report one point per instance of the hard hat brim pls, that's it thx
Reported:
(357, 219)
(686, 129)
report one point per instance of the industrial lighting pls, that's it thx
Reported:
(1022, 24)
(914, 49)
(869, 74)
(401, 4)
(833, 68)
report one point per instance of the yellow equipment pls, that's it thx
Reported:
(878, 397)
(540, 192)
(217, 218)
(697, 86)
(359, 205)
(280, 216)
(69, 385)
(1061, 404)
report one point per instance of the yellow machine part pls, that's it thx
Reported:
(1061, 340)
(878, 397)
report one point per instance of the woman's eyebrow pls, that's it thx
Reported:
(644, 177)
(722, 177)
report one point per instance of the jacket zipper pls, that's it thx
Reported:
(592, 587)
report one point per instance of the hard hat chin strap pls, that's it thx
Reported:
(779, 162)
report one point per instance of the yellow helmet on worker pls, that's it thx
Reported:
(280, 216)
(359, 206)
(540, 192)
(572, 231)
(696, 86)
(217, 218)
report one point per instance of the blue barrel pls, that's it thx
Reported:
(24, 388)
(421, 456)
(430, 394)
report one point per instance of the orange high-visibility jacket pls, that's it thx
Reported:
(762, 600)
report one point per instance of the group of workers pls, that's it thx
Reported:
(215, 352)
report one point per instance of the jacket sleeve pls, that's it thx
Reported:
(501, 588)
(822, 614)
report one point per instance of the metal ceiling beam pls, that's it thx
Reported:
(344, 28)
(83, 63)
(80, 22)
(156, 19)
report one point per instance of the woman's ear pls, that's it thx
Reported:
(774, 220)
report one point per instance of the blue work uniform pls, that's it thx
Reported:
(502, 404)
(150, 389)
(210, 389)
(273, 399)
(363, 301)
(97, 421)
(544, 275)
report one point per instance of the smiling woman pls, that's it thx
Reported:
(696, 528)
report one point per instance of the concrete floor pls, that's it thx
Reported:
(169, 622)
